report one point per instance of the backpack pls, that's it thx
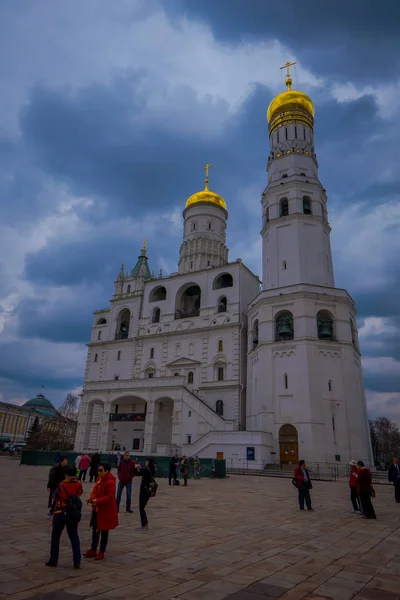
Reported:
(73, 509)
(153, 487)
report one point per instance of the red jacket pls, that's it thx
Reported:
(126, 471)
(353, 479)
(106, 506)
(299, 477)
(73, 487)
(84, 462)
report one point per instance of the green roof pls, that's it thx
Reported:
(40, 402)
(141, 269)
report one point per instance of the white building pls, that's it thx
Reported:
(207, 360)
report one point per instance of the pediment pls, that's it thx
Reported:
(183, 361)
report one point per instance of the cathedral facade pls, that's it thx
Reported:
(208, 361)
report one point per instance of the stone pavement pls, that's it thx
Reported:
(241, 538)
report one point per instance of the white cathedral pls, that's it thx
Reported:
(209, 361)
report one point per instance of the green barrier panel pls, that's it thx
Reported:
(209, 467)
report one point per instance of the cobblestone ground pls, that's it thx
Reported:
(241, 538)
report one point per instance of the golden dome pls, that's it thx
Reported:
(206, 195)
(290, 100)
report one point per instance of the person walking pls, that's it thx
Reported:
(196, 467)
(303, 483)
(365, 491)
(394, 477)
(126, 472)
(94, 463)
(147, 474)
(185, 469)
(56, 476)
(104, 510)
(77, 461)
(67, 513)
(84, 464)
(353, 481)
(173, 464)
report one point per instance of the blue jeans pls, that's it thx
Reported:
(59, 522)
(128, 487)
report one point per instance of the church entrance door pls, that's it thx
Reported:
(288, 445)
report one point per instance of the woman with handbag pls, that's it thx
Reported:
(148, 488)
(366, 491)
(104, 510)
(185, 469)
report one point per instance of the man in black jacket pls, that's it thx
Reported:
(94, 463)
(394, 477)
(56, 476)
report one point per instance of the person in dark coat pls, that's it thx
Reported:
(147, 474)
(365, 490)
(173, 464)
(94, 463)
(394, 477)
(303, 484)
(104, 510)
(69, 488)
(56, 476)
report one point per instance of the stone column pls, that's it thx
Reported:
(149, 427)
(82, 425)
(177, 424)
(104, 426)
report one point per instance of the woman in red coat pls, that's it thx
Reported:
(104, 510)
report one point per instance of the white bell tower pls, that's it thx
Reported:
(304, 372)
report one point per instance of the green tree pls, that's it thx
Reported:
(34, 434)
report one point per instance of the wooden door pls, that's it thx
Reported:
(288, 445)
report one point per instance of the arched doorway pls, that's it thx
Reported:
(162, 436)
(288, 444)
(127, 422)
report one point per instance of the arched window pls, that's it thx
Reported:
(220, 373)
(223, 281)
(255, 333)
(158, 294)
(284, 326)
(156, 316)
(95, 358)
(151, 352)
(99, 335)
(266, 215)
(102, 321)
(222, 304)
(285, 381)
(128, 289)
(123, 322)
(119, 355)
(284, 176)
(150, 373)
(325, 325)
(188, 302)
(177, 349)
(219, 408)
(176, 374)
(283, 207)
(307, 205)
(220, 346)
(190, 377)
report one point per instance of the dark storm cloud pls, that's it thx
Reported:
(13, 354)
(375, 382)
(357, 40)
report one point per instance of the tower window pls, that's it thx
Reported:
(295, 132)
(189, 439)
(150, 375)
(284, 329)
(330, 385)
(255, 333)
(284, 265)
(325, 325)
(210, 226)
(156, 315)
(193, 226)
(285, 381)
(151, 352)
(128, 289)
(220, 346)
(267, 215)
(219, 407)
(284, 207)
(191, 264)
(286, 133)
(95, 358)
(176, 374)
(277, 137)
(222, 304)
(119, 355)
(116, 377)
(307, 205)
(304, 132)
(220, 373)
(99, 335)
(190, 377)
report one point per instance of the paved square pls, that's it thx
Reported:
(241, 538)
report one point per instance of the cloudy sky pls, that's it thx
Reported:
(108, 112)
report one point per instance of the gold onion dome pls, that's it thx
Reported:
(290, 101)
(206, 195)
